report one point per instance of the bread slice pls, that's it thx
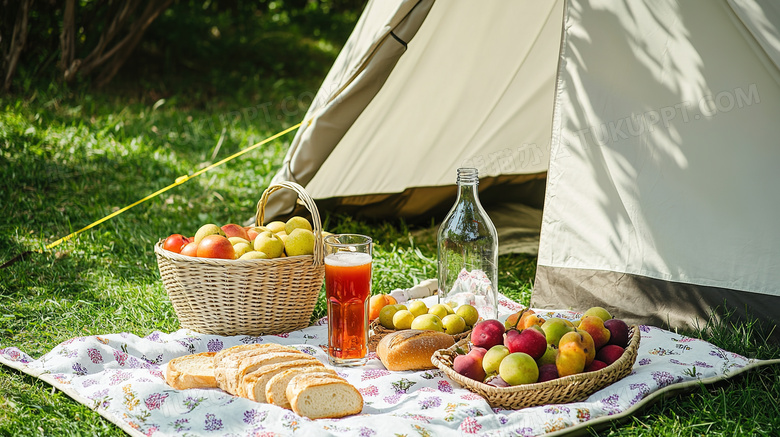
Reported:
(253, 385)
(227, 361)
(276, 387)
(191, 371)
(251, 364)
(319, 397)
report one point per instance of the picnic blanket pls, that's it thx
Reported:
(121, 377)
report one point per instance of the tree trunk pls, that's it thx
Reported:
(125, 47)
(68, 40)
(107, 60)
(18, 40)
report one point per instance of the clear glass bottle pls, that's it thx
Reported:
(468, 251)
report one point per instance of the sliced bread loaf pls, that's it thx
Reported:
(318, 397)
(276, 387)
(227, 361)
(249, 365)
(254, 383)
(191, 371)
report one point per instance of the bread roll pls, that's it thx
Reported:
(411, 349)
(276, 387)
(227, 361)
(322, 396)
(253, 384)
(191, 371)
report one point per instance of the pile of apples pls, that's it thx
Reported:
(231, 241)
(527, 348)
(415, 314)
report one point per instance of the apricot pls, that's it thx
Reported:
(594, 326)
(572, 353)
(377, 302)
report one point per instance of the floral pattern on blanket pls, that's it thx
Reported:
(121, 376)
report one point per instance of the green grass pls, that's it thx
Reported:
(69, 159)
(69, 156)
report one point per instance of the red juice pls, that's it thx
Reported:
(347, 287)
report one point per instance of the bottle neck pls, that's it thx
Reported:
(468, 183)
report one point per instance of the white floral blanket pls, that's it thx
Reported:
(121, 377)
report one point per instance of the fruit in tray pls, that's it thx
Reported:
(531, 349)
(231, 241)
(416, 315)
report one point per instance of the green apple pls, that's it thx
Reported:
(296, 223)
(518, 368)
(403, 319)
(253, 254)
(439, 309)
(492, 359)
(270, 244)
(206, 230)
(599, 312)
(428, 322)
(275, 226)
(418, 307)
(469, 314)
(554, 328)
(453, 324)
(299, 242)
(241, 248)
(386, 316)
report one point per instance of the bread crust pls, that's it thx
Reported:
(229, 359)
(253, 384)
(411, 349)
(276, 387)
(302, 385)
(178, 373)
(254, 363)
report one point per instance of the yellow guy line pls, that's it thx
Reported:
(180, 180)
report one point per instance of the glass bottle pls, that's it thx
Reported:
(468, 251)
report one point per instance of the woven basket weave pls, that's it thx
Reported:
(246, 297)
(571, 388)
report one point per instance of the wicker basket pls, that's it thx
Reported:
(246, 297)
(378, 332)
(571, 388)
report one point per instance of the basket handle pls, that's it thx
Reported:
(308, 202)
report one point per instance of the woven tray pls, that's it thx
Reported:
(378, 332)
(567, 389)
(246, 297)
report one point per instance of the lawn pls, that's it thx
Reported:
(71, 155)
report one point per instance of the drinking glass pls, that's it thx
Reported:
(347, 288)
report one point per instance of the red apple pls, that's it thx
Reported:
(190, 249)
(595, 365)
(609, 353)
(531, 341)
(234, 230)
(618, 330)
(487, 333)
(216, 246)
(175, 242)
(548, 372)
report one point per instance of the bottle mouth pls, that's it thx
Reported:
(467, 175)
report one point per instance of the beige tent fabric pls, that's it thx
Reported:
(474, 88)
(663, 162)
(762, 20)
(360, 70)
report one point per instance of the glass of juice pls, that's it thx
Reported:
(347, 289)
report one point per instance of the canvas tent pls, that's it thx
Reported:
(650, 127)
